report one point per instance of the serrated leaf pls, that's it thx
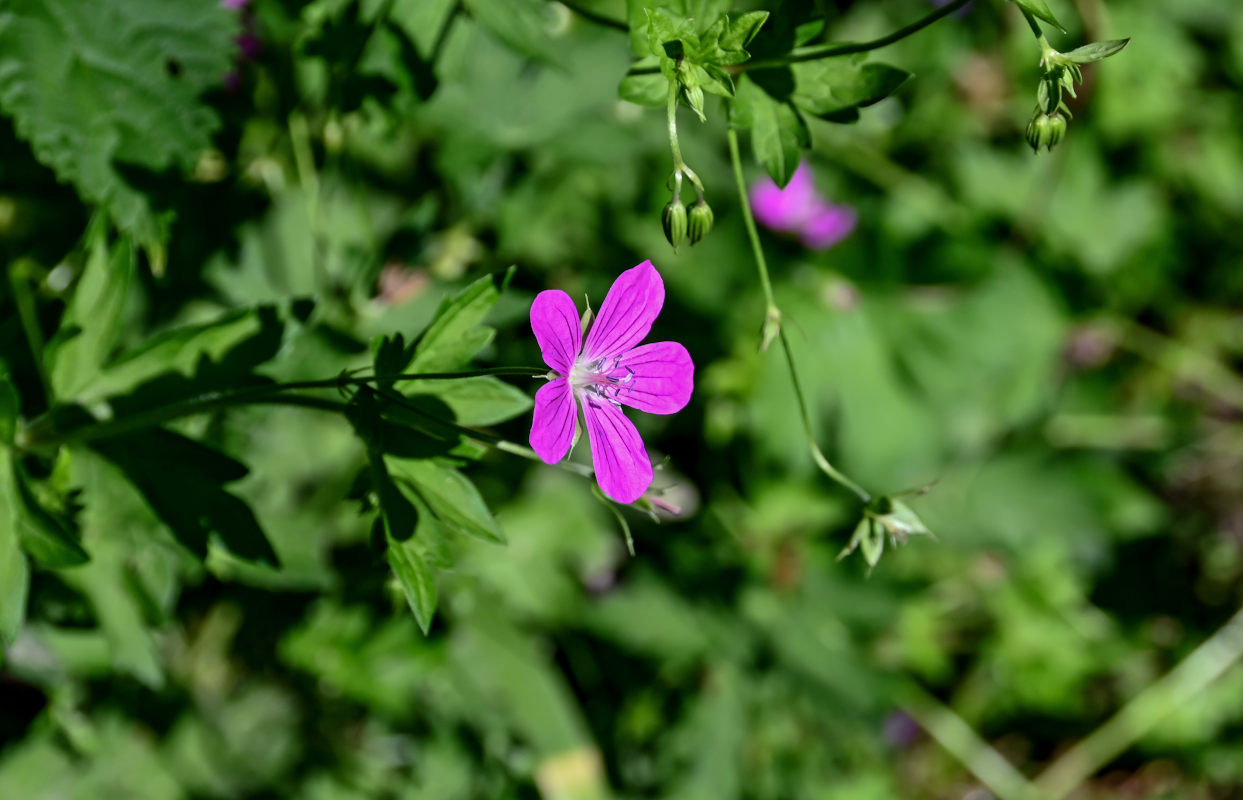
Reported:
(832, 85)
(93, 316)
(1039, 9)
(741, 29)
(178, 351)
(650, 91)
(455, 334)
(1096, 51)
(666, 29)
(95, 85)
(484, 400)
(449, 495)
(777, 130)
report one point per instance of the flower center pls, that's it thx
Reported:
(603, 377)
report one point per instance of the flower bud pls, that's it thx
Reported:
(700, 221)
(674, 222)
(1046, 130)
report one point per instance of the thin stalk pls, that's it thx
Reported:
(772, 321)
(846, 48)
(40, 433)
(841, 49)
(482, 437)
(1180, 685)
(671, 114)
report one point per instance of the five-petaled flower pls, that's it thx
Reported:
(800, 210)
(610, 369)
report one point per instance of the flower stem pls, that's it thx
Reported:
(41, 430)
(773, 319)
(671, 112)
(846, 48)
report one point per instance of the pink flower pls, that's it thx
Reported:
(798, 209)
(605, 373)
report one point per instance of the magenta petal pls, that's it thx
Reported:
(554, 319)
(828, 226)
(623, 469)
(656, 378)
(553, 423)
(626, 315)
(784, 209)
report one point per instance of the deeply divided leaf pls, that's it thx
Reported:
(88, 103)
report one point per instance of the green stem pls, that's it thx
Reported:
(481, 437)
(1034, 25)
(847, 48)
(671, 113)
(749, 220)
(1180, 686)
(772, 321)
(41, 433)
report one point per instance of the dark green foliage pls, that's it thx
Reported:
(216, 586)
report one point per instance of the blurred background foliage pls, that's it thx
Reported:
(1053, 340)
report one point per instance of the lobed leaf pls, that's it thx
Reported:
(90, 325)
(90, 103)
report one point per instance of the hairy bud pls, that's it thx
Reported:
(674, 222)
(1046, 130)
(700, 222)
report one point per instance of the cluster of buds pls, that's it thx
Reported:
(681, 225)
(1061, 73)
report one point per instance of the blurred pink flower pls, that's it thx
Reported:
(604, 373)
(799, 209)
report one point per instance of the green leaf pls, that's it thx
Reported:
(178, 351)
(14, 572)
(183, 481)
(1040, 9)
(1096, 51)
(93, 86)
(830, 86)
(484, 400)
(741, 29)
(404, 527)
(523, 25)
(455, 334)
(10, 409)
(777, 130)
(668, 33)
(418, 581)
(92, 317)
(46, 537)
(449, 495)
(651, 91)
